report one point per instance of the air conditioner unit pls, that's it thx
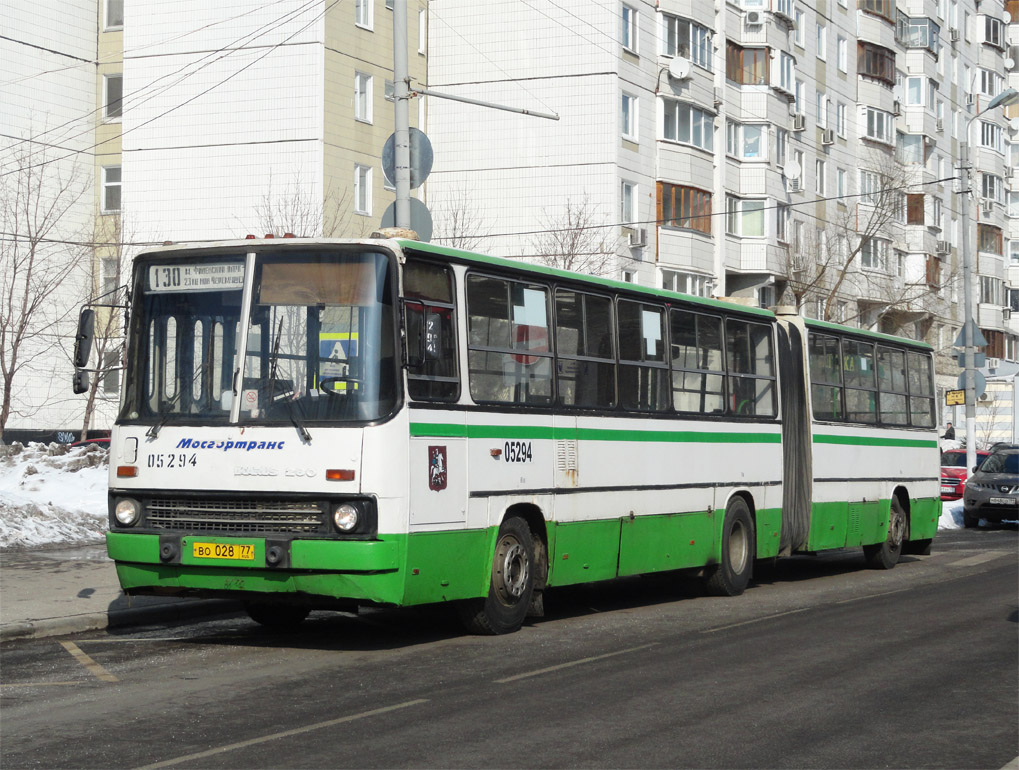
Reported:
(983, 398)
(987, 208)
(799, 122)
(942, 247)
(953, 34)
(941, 124)
(896, 108)
(828, 136)
(638, 237)
(970, 99)
(993, 363)
(754, 18)
(792, 185)
(798, 263)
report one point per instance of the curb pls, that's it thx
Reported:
(162, 612)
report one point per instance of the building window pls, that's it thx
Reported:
(362, 189)
(786, 70)
(422, 30)
(629, 30)
(629, 117)
(781, 145)
(841, 180)
(911, 148)
(994, 32)
(989, 239)
(743, 217)
(842, 46)
(686, 283)
(992, 187)
(879, 125)
(914, 209)
(111, 372)
(918, 33)
(991, 136)
(914, 91)
(687, 124)
(870, 187)
(686, 38)
(628, 199)
(876, 62)
(746, 66)
(363, 13)
(883, 8)
(989, 83)
(801, 23)
(362, 97)
(937, 218)
(113, 96)
(1013, 204)
(747, 142)
(821, 108)
(874, 254)
(782, 222)
(1013, 254)
(822, 42)
(685, 207)
(840, 119)
(111, 189)
(114, 17)
(110, 276)
(991, 290)
(821, 176)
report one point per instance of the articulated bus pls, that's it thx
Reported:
(315, 424)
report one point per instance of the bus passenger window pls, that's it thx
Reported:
(698, 378)
(508, 353)
(825, 377)
(431, 332)
(921, 390)
(751, 367)
(891, 371)
(861, 385)
(585, 358)
(643, 373)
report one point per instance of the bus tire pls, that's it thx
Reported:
(512, 585)
(886, 555)
(731, 576)
(970, 522)
(276, 616)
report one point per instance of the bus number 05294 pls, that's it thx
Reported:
(517, 452)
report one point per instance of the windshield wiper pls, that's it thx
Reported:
(287, 398)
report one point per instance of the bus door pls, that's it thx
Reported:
(797, 460)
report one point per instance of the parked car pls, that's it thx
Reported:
(954, 472)
(992, 491)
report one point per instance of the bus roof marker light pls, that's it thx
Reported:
(338, 474)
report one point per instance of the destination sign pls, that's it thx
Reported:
(217, 276)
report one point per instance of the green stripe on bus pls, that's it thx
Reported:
(875, 441)
(449, 430)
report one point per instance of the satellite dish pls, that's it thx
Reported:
(1009, 64)
(1007, 17)
(1014, 124)
(679, 68)
(792, 169)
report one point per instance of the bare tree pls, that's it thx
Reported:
(458, 224)
(38, 203)
(848, 264)
(574, 239)
(295, 209)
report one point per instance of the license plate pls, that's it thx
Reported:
(947, 489)
(1004, 501)
(223, 551)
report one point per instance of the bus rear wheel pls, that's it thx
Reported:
(276, 616)
(731, 576)
(509, 595)
(886, 555)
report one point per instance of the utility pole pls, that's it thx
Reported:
(401, 94)
(969, 324)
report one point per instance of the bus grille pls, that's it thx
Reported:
(242, 516)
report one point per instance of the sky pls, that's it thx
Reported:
(54, 494)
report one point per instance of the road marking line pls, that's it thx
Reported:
(572, 663)
(37, 684)
(972, 561)
(756, 620)
(138, 639)
(874, 596)
(284, 734)
(88, 663)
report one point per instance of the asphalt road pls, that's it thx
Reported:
(821, 664)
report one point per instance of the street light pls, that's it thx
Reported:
(1005, 98)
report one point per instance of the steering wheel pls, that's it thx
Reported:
(325, 383)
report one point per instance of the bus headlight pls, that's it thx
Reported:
(127, 512)
(346, 517)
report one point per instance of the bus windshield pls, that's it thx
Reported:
(319, 343)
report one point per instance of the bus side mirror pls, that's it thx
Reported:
(83, 340)
(80, 384)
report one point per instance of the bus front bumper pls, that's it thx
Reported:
(200, 565)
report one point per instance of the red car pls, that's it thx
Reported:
(954, 472)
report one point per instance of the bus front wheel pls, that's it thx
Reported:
(731, 576)
(886, 555)
(509, 595)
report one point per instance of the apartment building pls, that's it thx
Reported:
(773, 150)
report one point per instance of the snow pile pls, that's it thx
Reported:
(52, 494)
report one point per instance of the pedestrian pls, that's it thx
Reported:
(949, 433)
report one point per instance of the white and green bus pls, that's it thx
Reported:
(313, 424)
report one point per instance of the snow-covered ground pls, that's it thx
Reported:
(55, 494)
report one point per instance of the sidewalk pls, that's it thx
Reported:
(54, 591)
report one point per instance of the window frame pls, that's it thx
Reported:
(107, 186)
(363, 97)
(116, 102)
